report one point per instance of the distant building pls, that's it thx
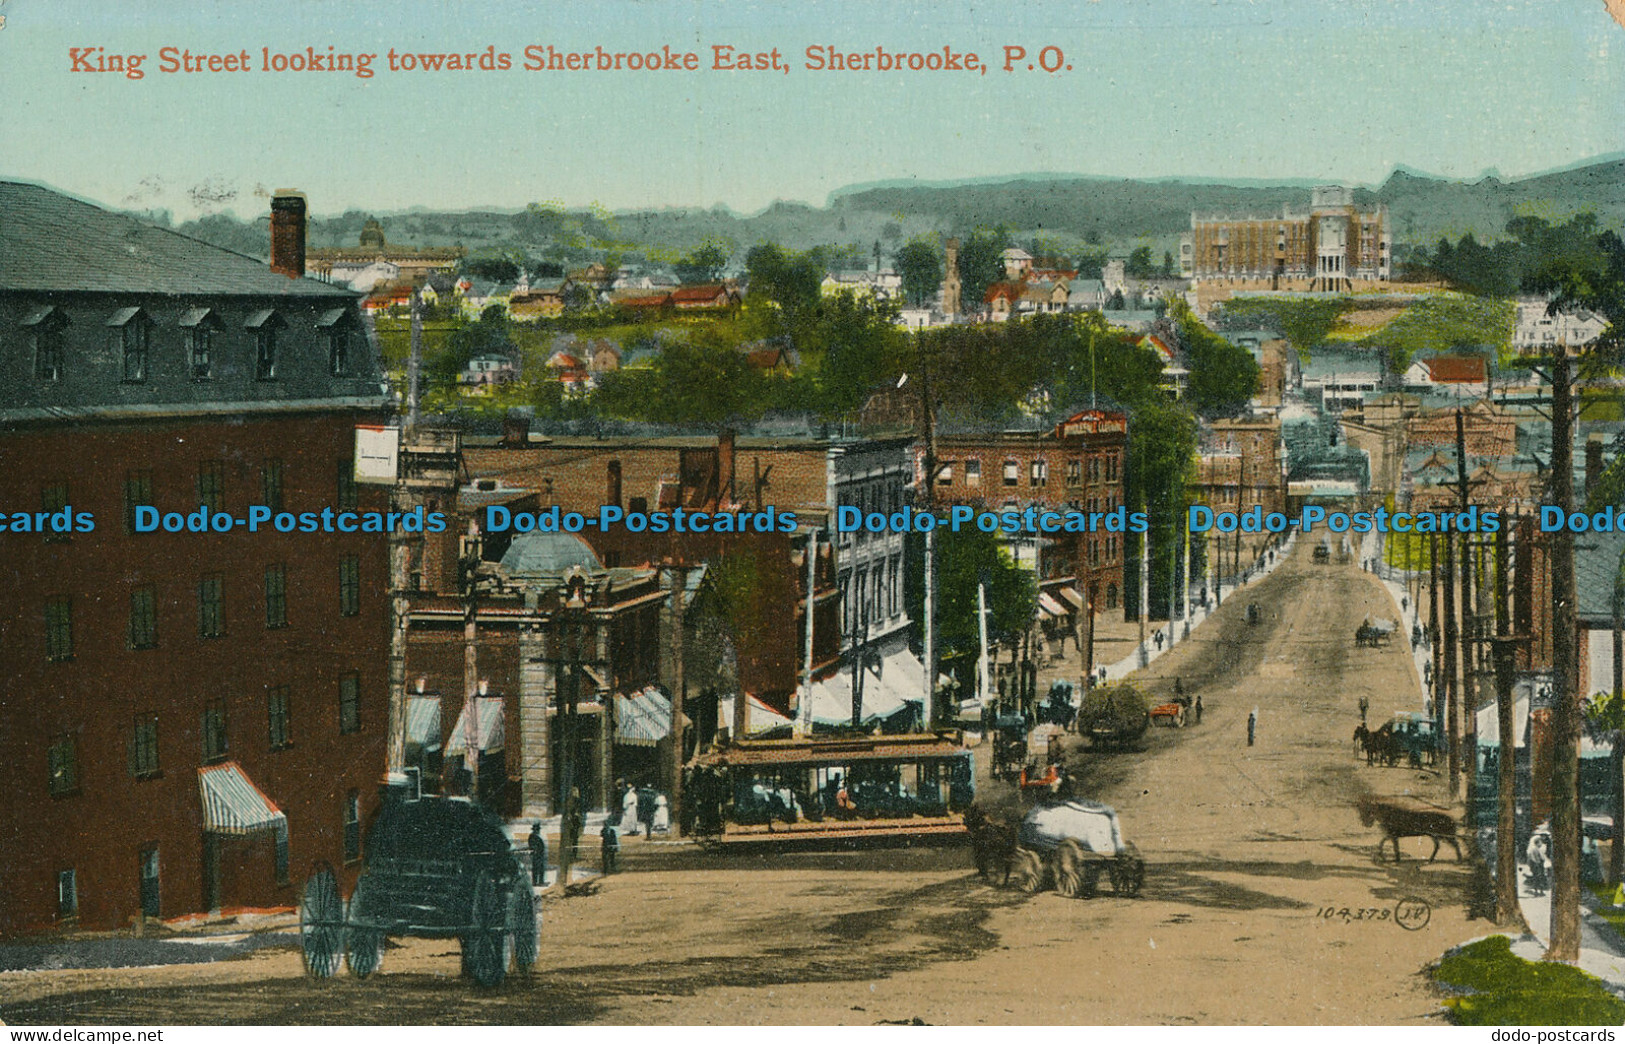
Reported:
(1536, 333)
(411, 263)
(1330, 246)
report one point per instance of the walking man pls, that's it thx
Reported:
(1252, 726)
(1198, 708)
(1365, 706)
(538, 855)
(610, 847)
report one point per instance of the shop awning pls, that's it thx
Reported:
(642, 719)
(1071, 595)
(1049, 606)
(486, 727)
(423, 721)
(759, 717)
(232, 804)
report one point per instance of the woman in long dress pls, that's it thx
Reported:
(662, 815)
(629, 813)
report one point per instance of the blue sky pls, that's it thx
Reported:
(1335, 90)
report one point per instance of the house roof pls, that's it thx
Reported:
(1596, 563)
(549, 554)
(1456, 369)
(49, 241)
(703, 292)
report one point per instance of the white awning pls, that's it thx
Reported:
(423, 721)
(759, 717)
(232, 804)
(488, 728)
(897, 680)
(1071, 595)
(1049, 606)
(643, 718)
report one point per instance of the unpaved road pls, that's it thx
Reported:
(1245, 846)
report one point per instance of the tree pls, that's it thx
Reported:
(981, 264)
(494, 269)
(1167, 264)
(920, 267)
(1223, 376)
(1139, 265)
(787, 279)
(702, 266)
(962, 563)
(703, 380)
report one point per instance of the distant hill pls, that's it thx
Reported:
(1063, 213)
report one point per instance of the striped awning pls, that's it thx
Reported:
(642, 719)
(1071, 595)
(487, 727)
(423, 721)
(1049, 606)
(232, 804)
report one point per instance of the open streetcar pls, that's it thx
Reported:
(833, 788)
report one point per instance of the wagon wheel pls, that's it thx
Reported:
(1128, 871)
(363, 939)
(522, 925)
(1030, 871)
(321, 924)
(484, 944)
(1071, 867)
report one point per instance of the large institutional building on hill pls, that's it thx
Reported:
(1331, 246)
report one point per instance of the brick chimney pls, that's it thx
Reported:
(288, 233)
(725, 467)
(1593, 463)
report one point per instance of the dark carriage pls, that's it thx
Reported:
(1323, 554)
(436, 868)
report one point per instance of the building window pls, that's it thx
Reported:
(137, 493)
(1074, 472)
(612, 483)
(282, 856)
(1111, 549)
(265, 353)
(352, 826)
(1111, 596)
(1012, 473)
(48, 352)
(63, 759)
(1038, 473)
(67, 893)
(214, 730)
(59, 629)
(202, 351)
(276, 596)
(973, 473)
(350, 703)
(271, 485)
(211, 484)
(144, 748)
(945, 472)
(338, 353)
(132, 343)
(211, 609)
(349, 586)
(348, 497)
(144, 618)
(53, 498)
(281, 734)
(1094, 469)
(1111, 467)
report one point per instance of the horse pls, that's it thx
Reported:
(1382, 745)
(1362, 739)
(1402, 817)
(993, 841)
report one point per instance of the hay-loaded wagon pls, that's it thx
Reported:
(1114, 716)
(1374, 631)
(1173, 713)
(1073, 844)
(437, 868)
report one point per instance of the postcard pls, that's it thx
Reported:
(1079, 513)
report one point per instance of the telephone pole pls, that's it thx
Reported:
(1565, 939)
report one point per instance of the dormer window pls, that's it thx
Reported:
(333, 324)
(199, 326)
(131, 337)
(47, 325)
(264, 323)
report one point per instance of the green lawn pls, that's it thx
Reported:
(1493, 987)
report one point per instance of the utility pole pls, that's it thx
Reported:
(1469, 624)
(679, 685)
(1616, 774)
(806, 710)
(471, 656)
(1506, 855)
(1435, 646)
(1565, 938)
(1145, 593)
(1451, 649)
(400, 559)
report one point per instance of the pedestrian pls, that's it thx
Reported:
(1198, 708)
(538, 855)
(662, 815)
(1159, 640)
(610, 846)
(646, 809)
(1179, 689)
(629, 811)
(1404, 604)
(1365, 707)
(1252, 726)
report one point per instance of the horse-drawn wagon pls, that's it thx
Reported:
(1074, 844)
(434, 867)
(1374, 631)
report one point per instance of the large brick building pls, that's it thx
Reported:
(1332, 245)
(1073, 461)
(188, 720)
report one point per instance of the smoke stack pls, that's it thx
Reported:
(516, 429)
(1593, 463)
(288, 233)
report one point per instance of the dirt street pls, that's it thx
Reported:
(1244, 845)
